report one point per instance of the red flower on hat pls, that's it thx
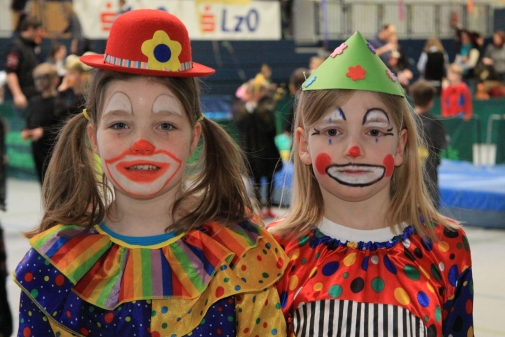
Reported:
(339, 50)
(162, 52)
(356, 73)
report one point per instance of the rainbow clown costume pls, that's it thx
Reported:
(212, 280)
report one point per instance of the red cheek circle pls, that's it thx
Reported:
(323, 160)
(389, 163)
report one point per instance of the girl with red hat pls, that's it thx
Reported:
(149, 248)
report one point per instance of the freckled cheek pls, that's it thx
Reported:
(323, 160)
(389, 164)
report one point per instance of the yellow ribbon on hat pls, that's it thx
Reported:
(85, 113)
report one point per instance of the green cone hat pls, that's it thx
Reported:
(354, 65)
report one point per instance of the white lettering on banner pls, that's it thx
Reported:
(256, 20)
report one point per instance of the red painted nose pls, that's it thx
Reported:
(142, 147)
(354, 151)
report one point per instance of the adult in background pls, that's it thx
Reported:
(255, 121)
(468, 56)
(433, 63)
(384, 42)
(403, 74)
(77, 40)
(433, 134)
(20, 61)
(494, 56)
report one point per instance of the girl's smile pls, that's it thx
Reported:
(143, 169)
(143, 137)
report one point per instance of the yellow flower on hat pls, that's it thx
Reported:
(162, 52)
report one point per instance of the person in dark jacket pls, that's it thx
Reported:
(255, 121)
(20, 60)
(433, 133)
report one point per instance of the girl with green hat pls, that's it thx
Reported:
(369, 253)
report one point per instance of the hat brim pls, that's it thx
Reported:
(97, 61)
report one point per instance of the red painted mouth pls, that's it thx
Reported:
(142, 171)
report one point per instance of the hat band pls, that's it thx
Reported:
(139, 64)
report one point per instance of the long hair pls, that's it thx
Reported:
(410, 201)
(433, 41)
(74, 192)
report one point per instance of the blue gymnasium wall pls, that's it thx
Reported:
(234, 62)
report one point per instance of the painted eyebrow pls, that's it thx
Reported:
(374, 111)
(164, 100)
(116, 108)
(337, 114)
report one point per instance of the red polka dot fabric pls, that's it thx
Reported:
(408, 275)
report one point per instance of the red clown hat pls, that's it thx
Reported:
(148, 42)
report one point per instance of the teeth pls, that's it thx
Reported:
(143, 167)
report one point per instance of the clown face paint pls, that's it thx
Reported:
(143, 137)
(142, 169)
(358, 175)
(365, 147)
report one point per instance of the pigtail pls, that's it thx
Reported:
(71, 192)
(219, 183)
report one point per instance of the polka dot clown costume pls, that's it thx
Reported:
(210, 280)
(350, 272)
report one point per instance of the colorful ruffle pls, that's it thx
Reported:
(107, 274)
(186, 274)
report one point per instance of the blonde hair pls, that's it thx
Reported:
(455, 68)
(433, 42)
(46, 68)
(257, 85)
(75, 193)
(72, 62)
(410, 201)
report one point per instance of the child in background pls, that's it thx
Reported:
(70, 100)
(146, 250)
(433, 133)
(369, 254)
(456, 99)
(57, 56)
(42, 121)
